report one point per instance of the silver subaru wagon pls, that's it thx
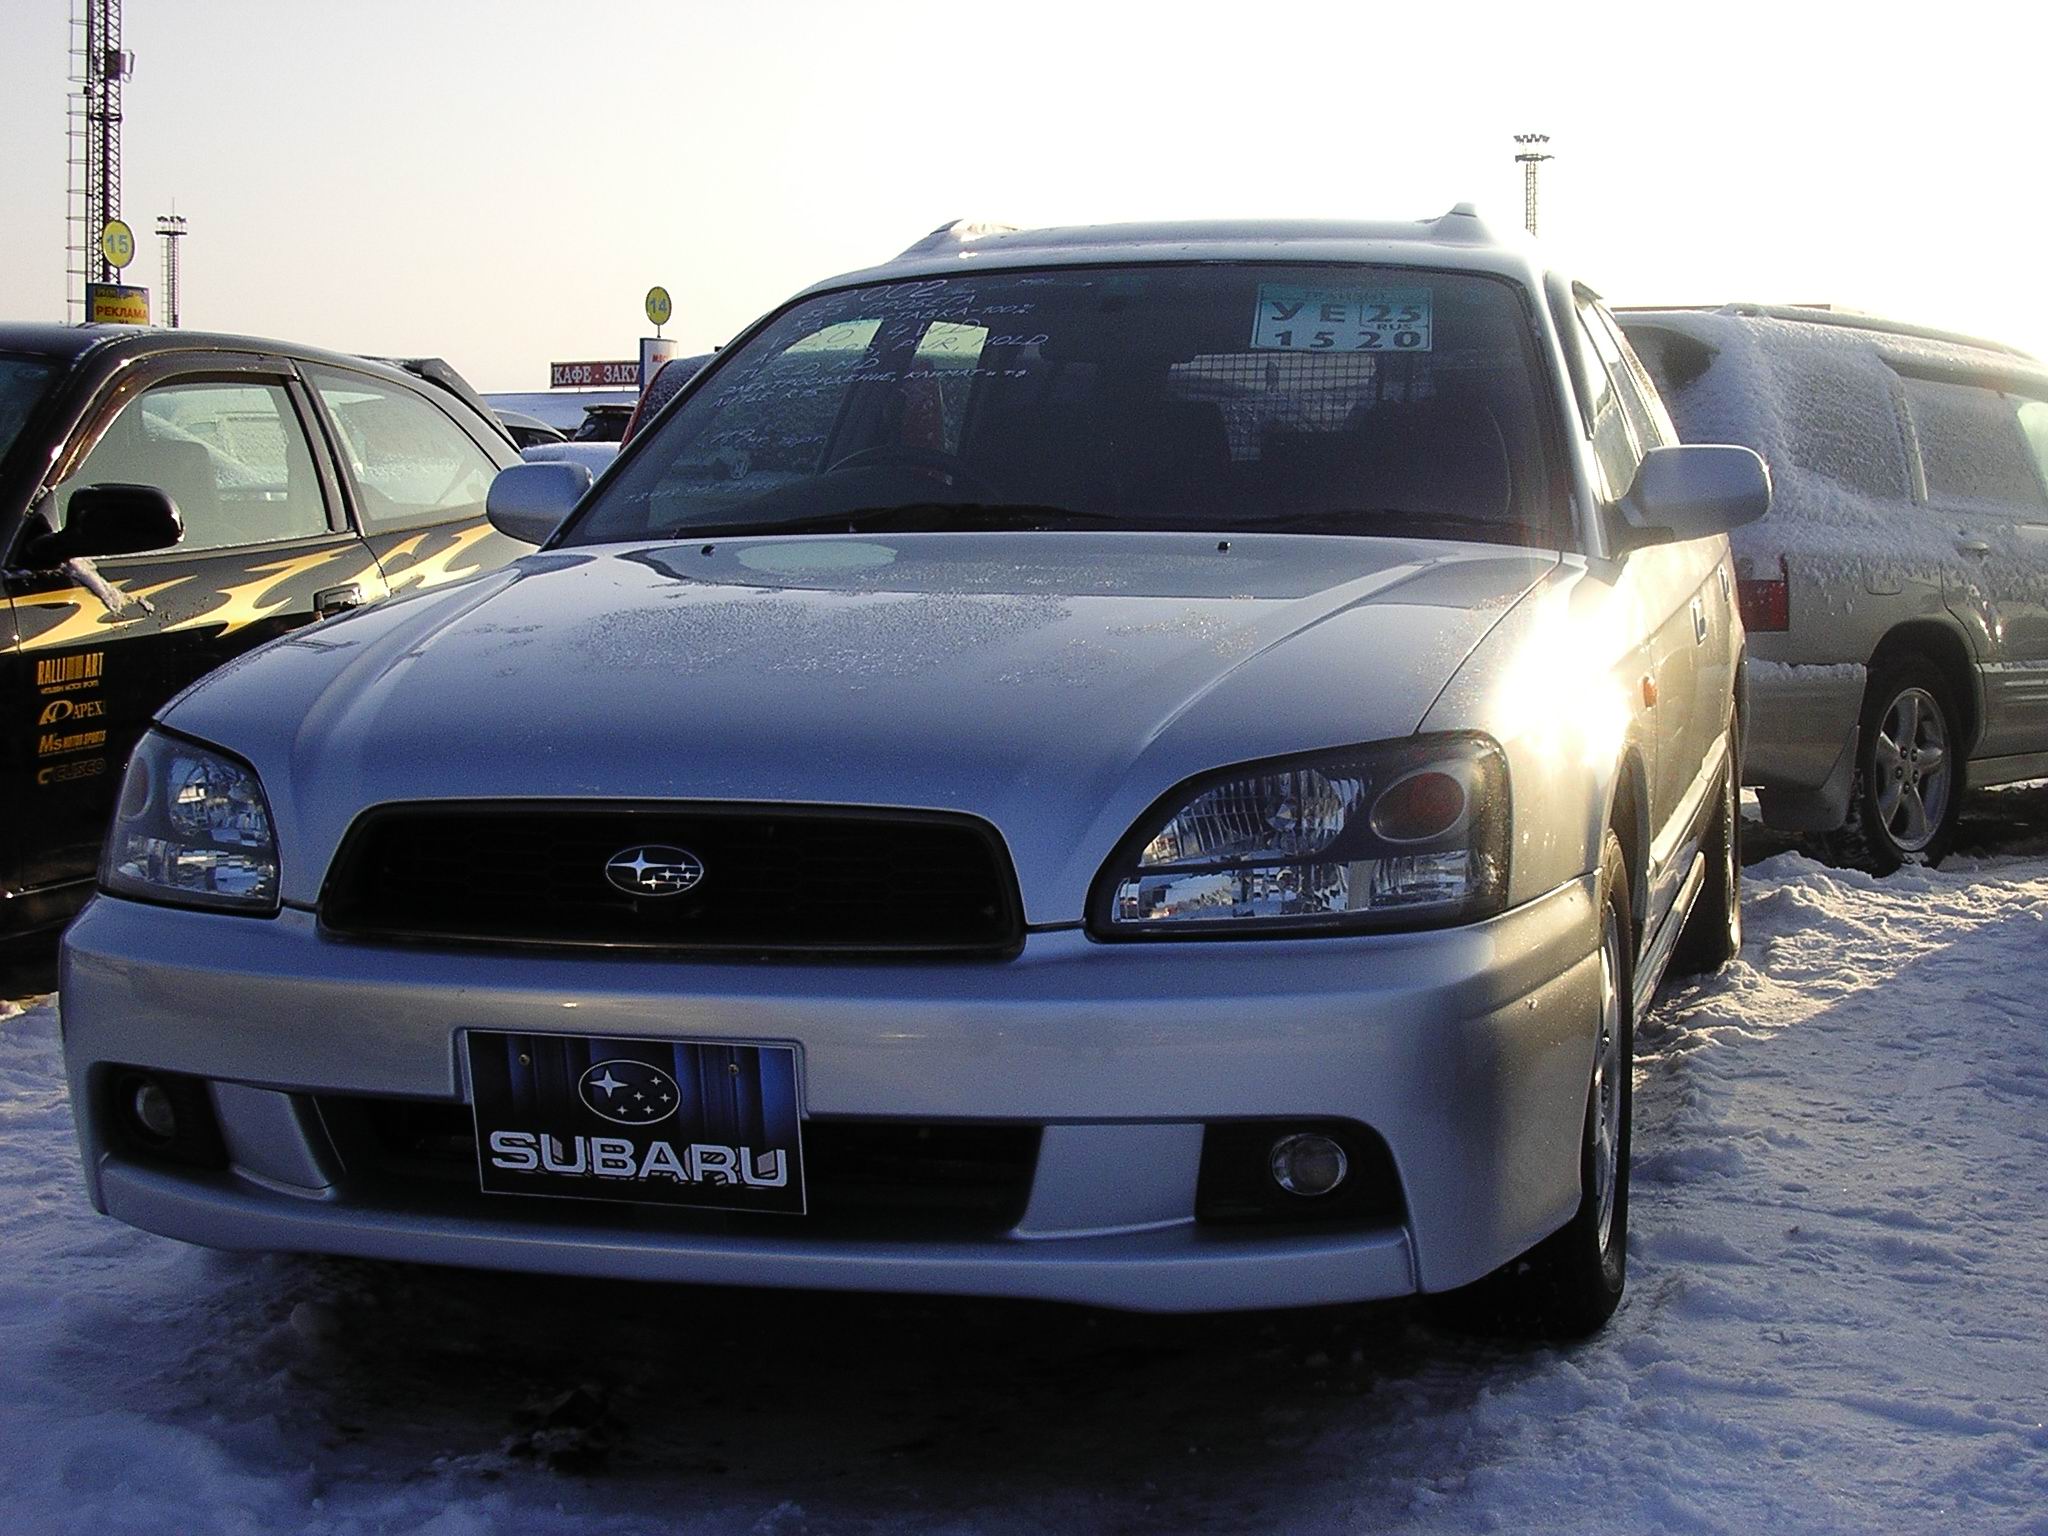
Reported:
(1151, 766)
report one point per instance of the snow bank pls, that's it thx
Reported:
(1839, 1275)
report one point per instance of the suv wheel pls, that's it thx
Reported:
(1909, 773)
(1712, 935)
(1568, 1285)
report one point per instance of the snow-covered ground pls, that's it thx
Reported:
(1837, 1321)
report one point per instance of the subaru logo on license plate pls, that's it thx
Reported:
(629, 1092)
(654, 869)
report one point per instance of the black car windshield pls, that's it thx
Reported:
(1214, 397)
(22, 380)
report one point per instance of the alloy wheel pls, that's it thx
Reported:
(1912, 771)
(1607, 1069)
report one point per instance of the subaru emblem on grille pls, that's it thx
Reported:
(654, 869)
(629, 1092)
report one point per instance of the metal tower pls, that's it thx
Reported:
(98, 66)
(1531, 156)
(171, 226)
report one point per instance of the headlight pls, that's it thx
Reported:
(1406, 834)
(192, 828)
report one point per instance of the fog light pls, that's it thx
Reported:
(1308, 1164)
(153, 1111)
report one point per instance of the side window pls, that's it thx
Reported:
(1614, 444)
(411, 465)
(2033, 416)
(232, 455)
(1972, 446)
(1647, 417)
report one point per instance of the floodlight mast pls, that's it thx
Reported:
(1531, 156)
(171, 226)
(99, 66)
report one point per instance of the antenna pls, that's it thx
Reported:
(1531, 156)
(171, 226)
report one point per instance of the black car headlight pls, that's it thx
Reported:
(1402, 834)
(192, 829)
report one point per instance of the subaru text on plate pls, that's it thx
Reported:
(1151, 766)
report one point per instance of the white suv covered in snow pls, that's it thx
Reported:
(1896, 597)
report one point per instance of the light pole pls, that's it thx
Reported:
(1532, 155)
(172, 227)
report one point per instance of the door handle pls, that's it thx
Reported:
(326, 604)
(1699, 622)
(1972, 547)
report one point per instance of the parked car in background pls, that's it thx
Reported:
(303, 483)
(666, 384)
(528, 431)
(562, 409)
(602, 424)
(1897, 595)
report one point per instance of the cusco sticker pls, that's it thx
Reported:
(1294, 319)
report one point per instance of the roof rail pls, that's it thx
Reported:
(1847, 319)
(955, 232)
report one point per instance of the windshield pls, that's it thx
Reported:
(1336, 399)
(21, 386)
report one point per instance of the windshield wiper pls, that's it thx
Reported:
(907, 517)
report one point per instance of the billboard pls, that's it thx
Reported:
(625, 375)
(116, 304)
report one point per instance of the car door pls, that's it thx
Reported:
(1699, 668)
(1979, 459)
(1659, 585)
(415, 476)
(104, 645)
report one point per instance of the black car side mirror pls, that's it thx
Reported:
(109, 520)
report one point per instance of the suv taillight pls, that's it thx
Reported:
(1766, 604)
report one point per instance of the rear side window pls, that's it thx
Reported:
(1972, 447)
(2033, 415)
(411, 465)
(232, 455)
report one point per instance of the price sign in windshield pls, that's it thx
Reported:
(1297, 319)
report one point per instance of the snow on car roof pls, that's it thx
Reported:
(1823, 401)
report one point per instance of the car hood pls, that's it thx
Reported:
(1053, 683)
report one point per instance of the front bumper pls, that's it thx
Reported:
(1467, 1050)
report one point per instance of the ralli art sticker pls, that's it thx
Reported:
(1292, 319)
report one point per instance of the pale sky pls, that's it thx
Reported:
(500, 183)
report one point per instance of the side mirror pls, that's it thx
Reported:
(1694, 491)
(109, 520)
(527, 502)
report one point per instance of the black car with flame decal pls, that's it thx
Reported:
(232, 489)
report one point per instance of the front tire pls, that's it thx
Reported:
(1568, 1285)
(1909, 773)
